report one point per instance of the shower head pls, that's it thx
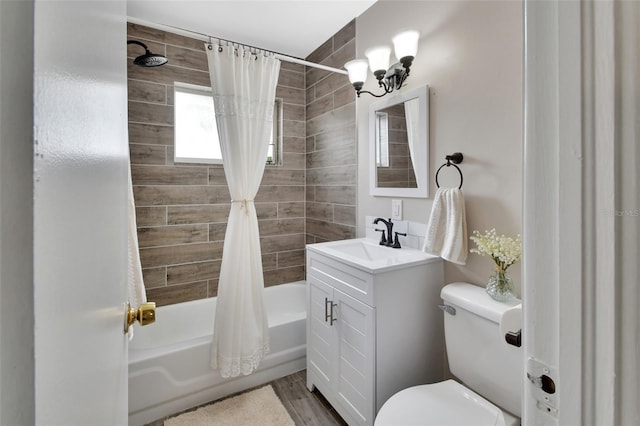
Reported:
(148, 59)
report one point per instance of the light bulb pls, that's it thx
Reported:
(405, 44)
(378, 59)
(357, 70)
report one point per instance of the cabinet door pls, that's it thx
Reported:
(320, 334)
(355, 322)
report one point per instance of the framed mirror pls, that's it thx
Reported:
(399, 145)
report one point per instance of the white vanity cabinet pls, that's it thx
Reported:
(372, 328)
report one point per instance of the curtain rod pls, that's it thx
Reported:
(208, 38)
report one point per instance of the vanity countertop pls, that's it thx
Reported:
(367, 255)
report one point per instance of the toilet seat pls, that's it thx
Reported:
(446, 403)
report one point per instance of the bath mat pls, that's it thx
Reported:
(260, 407)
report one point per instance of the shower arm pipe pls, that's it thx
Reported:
(144, 46)
(208, 38)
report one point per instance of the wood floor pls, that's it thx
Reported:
(305, 408)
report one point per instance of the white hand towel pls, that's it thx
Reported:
(447, 228)
(136, 291)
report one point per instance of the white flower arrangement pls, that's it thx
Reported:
(505, 251)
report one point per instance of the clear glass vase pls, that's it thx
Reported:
(500, 286)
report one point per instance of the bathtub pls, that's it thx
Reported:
(169, 361)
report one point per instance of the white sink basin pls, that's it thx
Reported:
(364, 250)
(368, 255)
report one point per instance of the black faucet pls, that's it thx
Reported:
(396, 242)
(389, 240)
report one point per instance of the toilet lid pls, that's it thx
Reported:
(446, 403)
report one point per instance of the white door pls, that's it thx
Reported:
(80, 213)
(581, 212)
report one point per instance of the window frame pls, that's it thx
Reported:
(275, 144)
(277, 131)
(382, 139)
(196, 90)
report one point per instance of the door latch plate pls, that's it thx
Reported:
(541, 379)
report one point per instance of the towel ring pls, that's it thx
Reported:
(452, 160)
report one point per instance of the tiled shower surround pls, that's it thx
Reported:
(331, 145)
(182, 209)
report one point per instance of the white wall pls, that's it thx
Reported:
(16, 206)
(470, 54)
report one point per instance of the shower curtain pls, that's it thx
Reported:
(135, 283)
(243, 86)
(412, 118)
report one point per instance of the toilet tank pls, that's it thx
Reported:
(477, 352)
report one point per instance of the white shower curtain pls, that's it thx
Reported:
(412, 117)
(135, 282)
(243, 86)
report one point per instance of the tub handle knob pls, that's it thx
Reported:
(145, 315)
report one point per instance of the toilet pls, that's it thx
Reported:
(479, 356)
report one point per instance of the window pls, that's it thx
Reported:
(275, 142)
(196, 133)
(382, 139)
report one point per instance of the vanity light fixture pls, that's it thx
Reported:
(405, 45)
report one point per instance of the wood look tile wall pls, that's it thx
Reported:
(331, 161)
(182, 209)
